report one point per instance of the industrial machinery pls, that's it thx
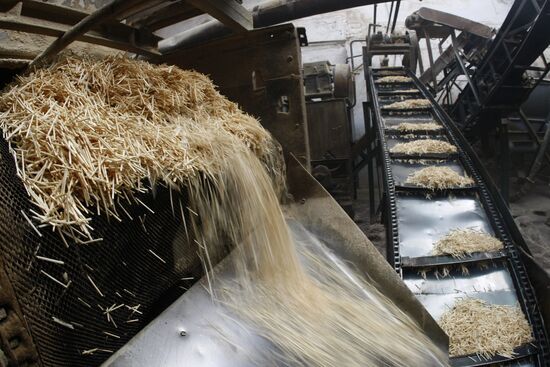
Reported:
(46, 322)
(415, 218)
(330, 95)
(483, 77)
(404, 45)
(465, 48)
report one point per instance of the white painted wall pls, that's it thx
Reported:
(330, 34)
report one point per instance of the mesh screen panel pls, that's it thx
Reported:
(124, 267)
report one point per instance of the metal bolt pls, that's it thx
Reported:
(183, 333)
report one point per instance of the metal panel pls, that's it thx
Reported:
(422, 222)
(329, 129)
(401, 169)
(267, 82)
(201, 332)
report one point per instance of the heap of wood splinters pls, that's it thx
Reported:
(424, 146)
(87, 135)
(477, 327)
(409, 127)
(394, 79)
(409, 104)
(461, 242)
(438, 178)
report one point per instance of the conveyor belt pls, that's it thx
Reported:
(416, 218)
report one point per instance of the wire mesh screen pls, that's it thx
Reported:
(83, 302)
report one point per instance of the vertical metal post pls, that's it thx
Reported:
(431, 57)
(396, 13)
(504, 161)
(370, 158)
(543, 148)
(532, 132)
(389, 18)
(463, 67)
(374, 18)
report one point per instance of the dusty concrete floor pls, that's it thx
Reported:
(531, 212)
(529, 204)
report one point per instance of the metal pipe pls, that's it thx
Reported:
(279, 11)
(374, 20)
(191, 37)
(98, 17)
(389, 18)
(397, 4)
(274, 12)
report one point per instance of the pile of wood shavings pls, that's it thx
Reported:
(388, 72)
(477, 327)
(437, 178)
(413, 127)
(424, 146)
(461, 242)
(409, 104)
(407, 91)
(87, 134)
(394, 79)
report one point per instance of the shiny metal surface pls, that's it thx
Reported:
(423, 221)
(196, 331)
(437, 294)
(193, 331)
(392, 121)
(392, 141)
(401, 169)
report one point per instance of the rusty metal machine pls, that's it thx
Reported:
(330, 96)
(43, 323)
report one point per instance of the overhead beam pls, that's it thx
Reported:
(70, 16)
(232, 14)
(36, 26)
(171, 13)
(109, 11)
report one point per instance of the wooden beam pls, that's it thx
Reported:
(30, 25)
(109, 11)
(229, 12)
(66, 15)
(170, 14)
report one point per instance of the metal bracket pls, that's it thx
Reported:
(302, 36)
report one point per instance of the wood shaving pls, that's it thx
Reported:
(424, 146)
(87, 132)
(415, 127)
(409, 104)
(461, 242)
(407, 91)
(477, 327)
(437, 178)
(389, 72)
(393, 79)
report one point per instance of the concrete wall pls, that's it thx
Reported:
(330, 34)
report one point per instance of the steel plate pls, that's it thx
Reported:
(422, 221)
(493, 284)
(402, 169)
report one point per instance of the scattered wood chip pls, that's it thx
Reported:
(477, 327)
(461, 242)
